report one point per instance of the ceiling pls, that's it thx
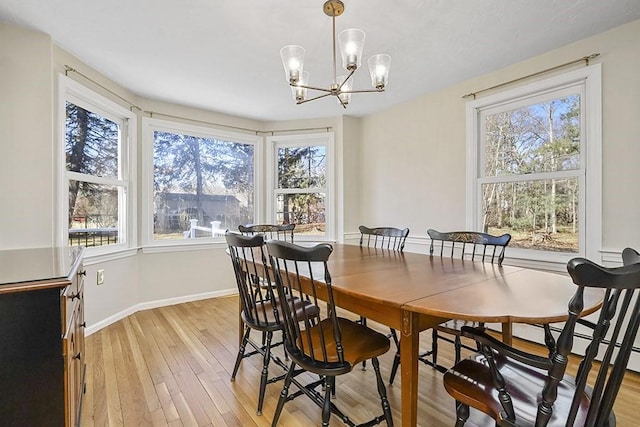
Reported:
(223, 55)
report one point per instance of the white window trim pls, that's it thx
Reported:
(592, 162)
(73, 91)
(328, 140)
(149, 126)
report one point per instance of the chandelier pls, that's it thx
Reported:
(351, 46)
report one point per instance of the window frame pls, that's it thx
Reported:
(326, 139)
(72, 91)
(151, 125)
(589, 80)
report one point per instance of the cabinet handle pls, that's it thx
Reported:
(82, 273)
(78, 356)
(83, 324)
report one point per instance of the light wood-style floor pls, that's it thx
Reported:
(171, 366)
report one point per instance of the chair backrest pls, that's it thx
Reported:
(383, 237)
(270, 231)
(257, 298)
(613, 337)
(298, 271)
(470, 243)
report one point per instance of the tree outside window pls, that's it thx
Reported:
(202, 185)
(301, 188)
(531, 185)
(97, 192)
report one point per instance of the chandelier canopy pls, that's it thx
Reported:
(351, 46)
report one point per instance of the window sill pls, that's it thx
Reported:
(180, 246)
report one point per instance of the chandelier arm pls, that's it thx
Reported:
(345, 80)
(362, 91)
(313, 88)
(313, 99)
(342, 102)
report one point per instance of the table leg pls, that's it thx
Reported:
(409, 368)
(507, 333)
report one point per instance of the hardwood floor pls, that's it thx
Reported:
(171, 366)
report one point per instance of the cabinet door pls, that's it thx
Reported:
(31, 369)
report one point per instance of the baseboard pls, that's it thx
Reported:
(155, 304)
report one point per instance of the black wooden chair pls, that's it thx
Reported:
(465, 245)
(390, 238)
(270, 231)
(518, 388)
(383, 237)
(329, 348)
(261, 308)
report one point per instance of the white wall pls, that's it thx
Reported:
(351, 162)
(26, 138)
(415, 153)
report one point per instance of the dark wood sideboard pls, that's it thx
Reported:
(42, 325)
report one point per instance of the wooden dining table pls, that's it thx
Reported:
(412, 292)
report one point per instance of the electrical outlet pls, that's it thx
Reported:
(100, 277)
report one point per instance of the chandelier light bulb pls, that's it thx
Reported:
(292, 59)
(345, 85)
(379, 70)
(351, 46)
(299, 91)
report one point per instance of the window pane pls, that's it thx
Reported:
(543, 137)
(93, 214)
(302, 167)
(91, 144)
(305, 210)
(202, 186)
(540, 215)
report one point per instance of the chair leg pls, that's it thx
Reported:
(382, 391)
(326, 406)
(363, 322)
(394, 337)
(458, 348)
(394, 368)
(286, 355)
(241, 351)
(462, 414)
(265, 370)
(283, 394)
(434, 347)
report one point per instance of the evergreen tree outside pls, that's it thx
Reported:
(92, 145)
(300, 193)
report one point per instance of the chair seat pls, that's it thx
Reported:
(359, 342)
(266, 319)
(471, 383)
